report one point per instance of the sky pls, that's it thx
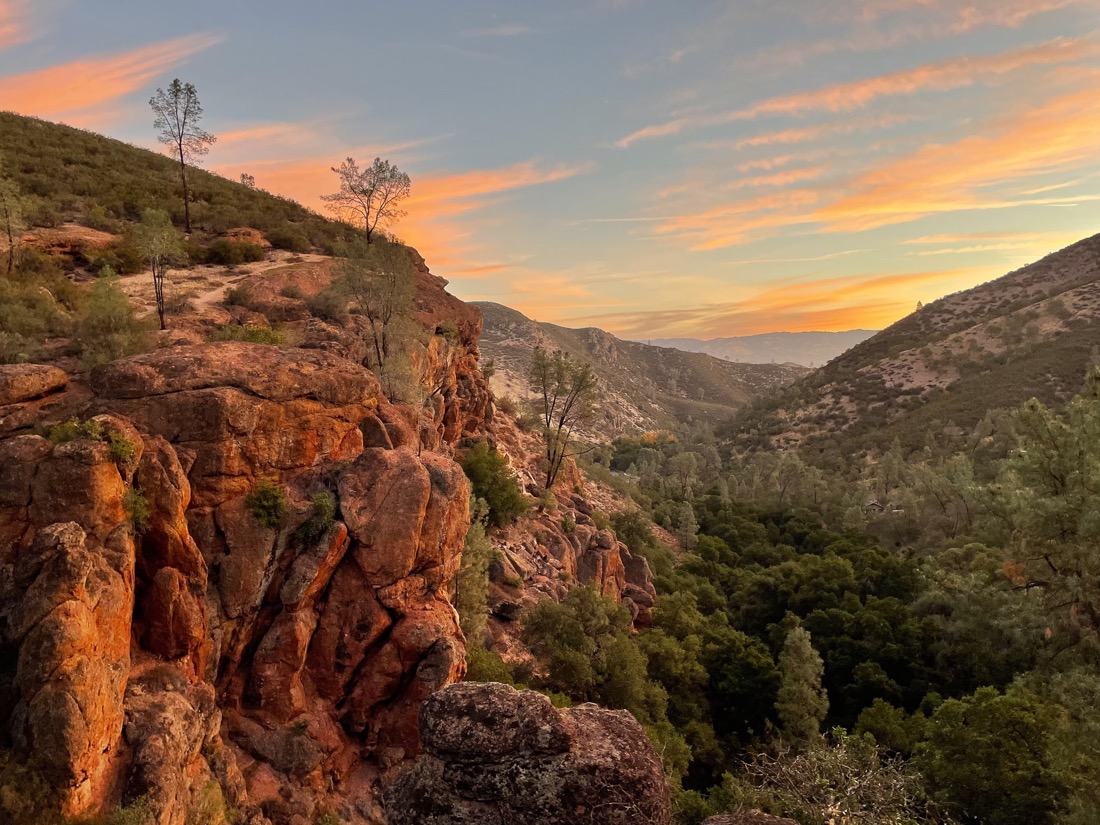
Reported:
(656, 168)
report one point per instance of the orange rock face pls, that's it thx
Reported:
(318, 642)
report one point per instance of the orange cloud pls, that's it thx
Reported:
(779, 178)
(13, 29)
(1059, 135)
(798, 306)
(81, 86)
(942, 76)
(920, 19)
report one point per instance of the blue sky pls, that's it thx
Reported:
(655, 168)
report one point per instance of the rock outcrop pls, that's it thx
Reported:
(163, 633)
(497, 756)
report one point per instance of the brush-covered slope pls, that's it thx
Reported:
(810, 349)
(641, 387)
(69, 174)
(1030, 333)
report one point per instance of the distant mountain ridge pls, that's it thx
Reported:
(1030, 333)
(810, 349)
(642, 387)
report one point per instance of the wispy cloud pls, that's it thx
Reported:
(872, 300)
(503, 30)
(876, 26)
(982, 171)
(1059, 135)
(13, 23)
(941, 76)
(78, 88)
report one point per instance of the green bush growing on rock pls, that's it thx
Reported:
(494, 482)
(249, 334)
(267, 502)
(137, 508)
(322, 516)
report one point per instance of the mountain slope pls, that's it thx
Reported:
(642, 387)
(1029, 333)
(806, 348)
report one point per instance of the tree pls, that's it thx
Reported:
(565, 391)
(381, 279)
(988, 756)
(248, 180)
(177, 115)
(11, 215)
(369, 195)
(802, 702)
(159, 244)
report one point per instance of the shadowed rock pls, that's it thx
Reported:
(495, 756)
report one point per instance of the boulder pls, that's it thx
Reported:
(495, 756)
(24, 382)
(71, 628)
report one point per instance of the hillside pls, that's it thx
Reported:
(643, 387)
(1030, 333)
(69, 174)
(810, 349)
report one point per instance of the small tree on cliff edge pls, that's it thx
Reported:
(177, 115)
(370, 195)
(565, 394)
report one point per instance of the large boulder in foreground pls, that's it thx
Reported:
(497, 756)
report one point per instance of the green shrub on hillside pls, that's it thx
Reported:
(494, 482)
(106, 328)
(231, 253)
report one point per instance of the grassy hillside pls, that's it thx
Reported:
(70, 175)
(642, 387)
(1030, 333)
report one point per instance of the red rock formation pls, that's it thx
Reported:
(318, 651)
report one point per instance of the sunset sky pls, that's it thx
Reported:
(655, 168)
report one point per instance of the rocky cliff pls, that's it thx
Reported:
(178, 608)
(224, 566)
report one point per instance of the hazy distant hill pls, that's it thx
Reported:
(642, 387)
(810, 349)
(1030, 333)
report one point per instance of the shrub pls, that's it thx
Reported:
(137, 508)
(249, 334)
(74, 429)
(568, 524)
(123, 451)
(494, 482)
(329, 305)
(268, 505)
(97, 218)
(124, 258)
(237, 296)
(107, 328)
(291, 239)
(486, 666)
(230, 253)
(292, 291)
(321, 518)
(506, 404)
